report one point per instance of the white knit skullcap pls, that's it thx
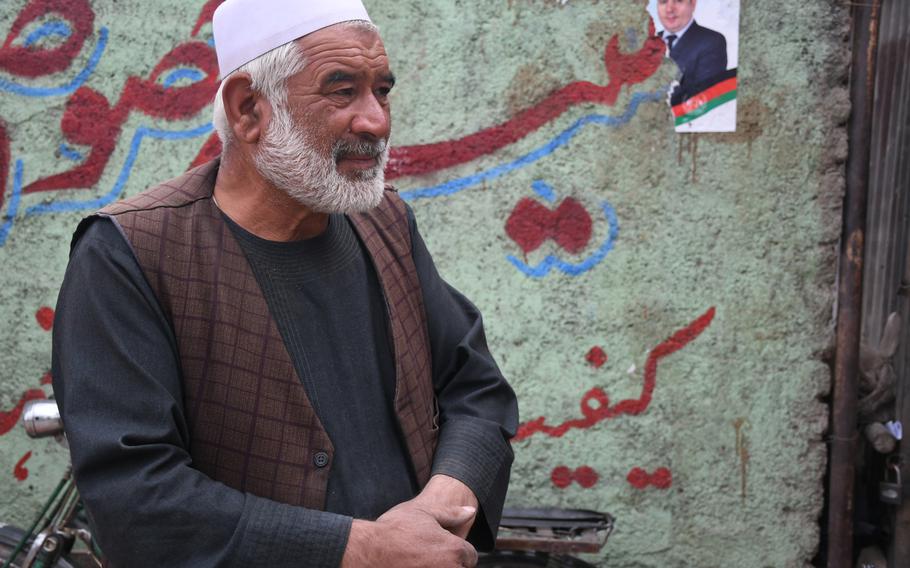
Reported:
(246, 29)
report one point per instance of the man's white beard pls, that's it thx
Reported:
(288, 158)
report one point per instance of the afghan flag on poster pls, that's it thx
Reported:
(720, 90)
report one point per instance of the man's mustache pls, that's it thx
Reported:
(360, 148)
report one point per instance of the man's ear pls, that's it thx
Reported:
(247, 112)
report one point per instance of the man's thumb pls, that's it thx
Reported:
(454, 517)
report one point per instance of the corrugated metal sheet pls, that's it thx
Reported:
(888, 221)
(887, 250)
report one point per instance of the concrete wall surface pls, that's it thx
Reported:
(661, 302)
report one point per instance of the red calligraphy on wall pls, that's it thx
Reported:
(596, 357)
(623, 69)
(641, 479)
(26, 60)
(205, 15)
(585, 476)
(20, 471)
(531, 223)
(90, 120)
(595, 405)
(45, 318)
(9, 418)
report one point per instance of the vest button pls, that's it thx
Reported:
(320, 459)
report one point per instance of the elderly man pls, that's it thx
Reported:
(700, 53)
(257, 362)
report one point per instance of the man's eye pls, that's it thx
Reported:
(345, 92)
(383, 91)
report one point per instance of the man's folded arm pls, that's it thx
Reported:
(117, 381)
(478, 409)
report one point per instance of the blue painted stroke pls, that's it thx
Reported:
(193, 75)
(70, 154)
(544, 190)
(551, 262)
(125, 171)
(456, 185)
(78, 80)
(12, 205)
(60, 29)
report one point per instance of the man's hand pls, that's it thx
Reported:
(409, 536)
(428, 530)
(444, 491)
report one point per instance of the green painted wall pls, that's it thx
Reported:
(727, 239)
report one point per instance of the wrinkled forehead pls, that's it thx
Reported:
(347, 51)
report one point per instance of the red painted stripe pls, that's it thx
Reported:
(623, 69)
(205, 15)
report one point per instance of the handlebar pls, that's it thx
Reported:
(41, 419)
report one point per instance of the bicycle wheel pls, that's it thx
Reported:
(9, 538)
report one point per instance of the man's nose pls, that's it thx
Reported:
(371, 118)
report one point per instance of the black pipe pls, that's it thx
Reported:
(850, 286)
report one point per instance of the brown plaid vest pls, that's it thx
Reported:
(251, 424)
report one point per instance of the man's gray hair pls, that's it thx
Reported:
(269, 74)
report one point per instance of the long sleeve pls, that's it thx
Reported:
(117, 381)
(478, 409)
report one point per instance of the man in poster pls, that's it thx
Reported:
(700, 53)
